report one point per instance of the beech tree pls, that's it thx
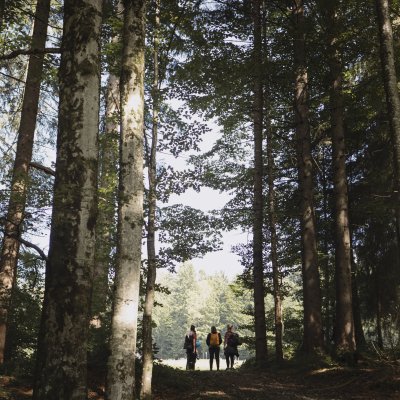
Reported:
(121, 363)
(147, 322)
(62, 353)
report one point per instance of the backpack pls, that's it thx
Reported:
(187, 344)
(214, 340)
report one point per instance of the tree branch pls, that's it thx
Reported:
(16, 53)
(33, 246)
(41, 167)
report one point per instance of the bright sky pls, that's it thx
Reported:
(206, 200)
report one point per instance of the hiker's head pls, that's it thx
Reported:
(229, 327)
(213, 329)
(192, 328)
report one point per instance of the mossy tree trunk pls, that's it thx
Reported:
(62, 356)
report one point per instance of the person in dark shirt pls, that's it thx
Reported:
(191, 350)
(230, 347)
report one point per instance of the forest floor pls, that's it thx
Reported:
(376, 381)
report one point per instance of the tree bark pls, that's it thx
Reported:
(276, 276)
(20, 177)
(2, 8)
(344, 323)
(327, 304)
(108, 176)
(258, 201)
(121, 363)
(313, 338)
(107, 199)
(147, 338)
(358, 328)
(62, 354)
(392, 97)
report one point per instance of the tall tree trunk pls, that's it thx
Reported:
(313, 337)
(276, 276)
(62, 356)
(392, 97)
(327, 298)
(151, 227)
(108, 176)
(258, 202)
(121, 363)
(344, 323)
(108, 157)
(20, 177)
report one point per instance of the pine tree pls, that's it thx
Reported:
(23, 157)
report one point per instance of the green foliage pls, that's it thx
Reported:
(200, 300)
(187, 233)
(24, 318)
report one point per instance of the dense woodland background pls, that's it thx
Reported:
(303, 99)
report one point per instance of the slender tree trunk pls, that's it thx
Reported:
(276, 276)
(378, 310)
(62, 356)
(108, 176)
(151, 228)
(327, 302)
(107, 200)
(20, 178)
(121, 363)
(344, 323)
(313, 338)
(258, 206)
(358, 328)
(392, 97)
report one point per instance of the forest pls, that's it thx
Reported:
(103, 101)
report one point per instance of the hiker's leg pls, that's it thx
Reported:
(194, 360)
(232, 356)
(217, 357)
(227, 361)
(211, 357)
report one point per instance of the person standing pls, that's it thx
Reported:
(191, 348)
(213, 341)
(230, 346)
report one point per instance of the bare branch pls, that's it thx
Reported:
(41, 167)
(33, 246)
(16, 53)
